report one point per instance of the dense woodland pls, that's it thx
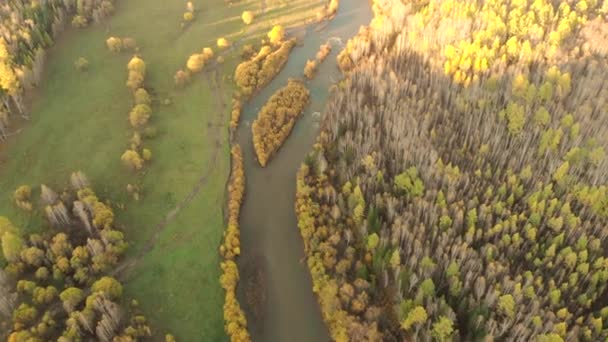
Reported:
(458, 187)
(27, 28)
(59, 285)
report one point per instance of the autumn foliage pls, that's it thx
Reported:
(234, 317)
(58, 285)
(139, 116)
(235, 113)
(254, 74)
(458, 187)
(247, 17)
(277, 118)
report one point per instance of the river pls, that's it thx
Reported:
(270, 240)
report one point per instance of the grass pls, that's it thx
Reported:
(79, 122)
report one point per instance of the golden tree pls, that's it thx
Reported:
(132, 160)
(114, 44)
(247, 17)
(139, 115)
(277, 34)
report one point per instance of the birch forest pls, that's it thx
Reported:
(457, 189)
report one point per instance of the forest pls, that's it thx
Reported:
(449, 161)
(59, 285)
(457, 190)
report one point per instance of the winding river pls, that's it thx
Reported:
(272, 248)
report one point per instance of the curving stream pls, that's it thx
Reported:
(272, 262)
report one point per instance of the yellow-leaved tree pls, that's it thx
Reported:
(277, 34)
(8, 79)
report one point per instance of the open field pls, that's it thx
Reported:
(79, 122)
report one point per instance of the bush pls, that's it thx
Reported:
(188, 17)
(223, 43)
(139, 115)
(247, 17)
(196, 63)
(236, 113)
(135, 80)
(23, 193)
(22, 198)
(142, 97)
(332, 8)
(81, 64)
(114, 44)
(345, 63)
(132, 160)
(138, 65)
(208, 53)
(310, 68)
(324, 51)
(277, 34)
(147, 154)
(79, 21)
(181, 78)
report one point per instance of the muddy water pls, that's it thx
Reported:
(274, 274)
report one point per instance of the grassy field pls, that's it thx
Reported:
(79, 122)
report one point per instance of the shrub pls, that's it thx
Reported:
(139, 115)
(236, 113)
(114, 44)
(142, 97)
(196, 63)
(223, 43)
(277, 34)
(247, 17)
(135, 80)
(81, 64)
(147, 154)
(181, 78)
(79, 21)
(138, 65)
(132, 160)
(324, 51)
(310, 68)
(332, 8)
(188, 17)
